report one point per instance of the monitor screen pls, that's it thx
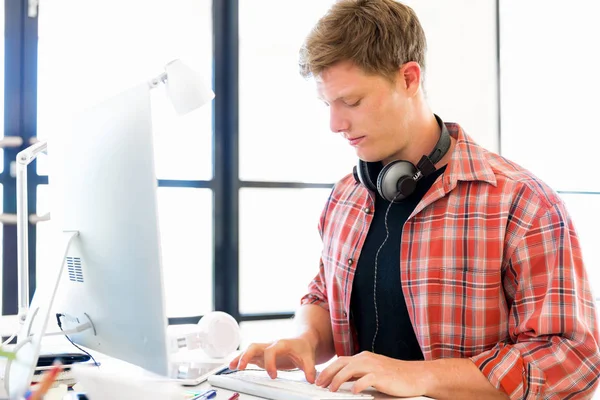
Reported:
(113, 274)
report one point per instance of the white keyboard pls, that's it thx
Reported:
(282, 388)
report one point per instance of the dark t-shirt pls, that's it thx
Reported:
(395, 334)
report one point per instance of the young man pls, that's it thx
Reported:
(455, 275)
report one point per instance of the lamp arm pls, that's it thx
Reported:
(24, 158)
(154, 82)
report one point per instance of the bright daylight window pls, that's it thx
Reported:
(285, 140)
(284, 137)
(550, 82)
(85, 59)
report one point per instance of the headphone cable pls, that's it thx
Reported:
(387, 234)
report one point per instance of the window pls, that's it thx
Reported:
(288, 157)
(18, 119)
(288, 161)
(81, 62)
(284, 129)
(185, 217)
(461, 73)
(279, 246)
(265, 331)
(549, 102)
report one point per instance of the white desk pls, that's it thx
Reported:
(129, 375)
(224, 394)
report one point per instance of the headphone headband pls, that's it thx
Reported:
(398, 179)
(442, 145)
(426, 164)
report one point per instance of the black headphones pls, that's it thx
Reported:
(398, 180)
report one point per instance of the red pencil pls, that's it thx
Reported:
(235, 396)
(46, 382)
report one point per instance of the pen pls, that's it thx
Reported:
(223, 370)
(209, 394)
(235, 396)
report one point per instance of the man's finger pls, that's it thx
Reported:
(344, 375)
(363, 383)
(332, 369)
(270, 357)
(254, 350)
(233, 363)
(310, 373)
(307, 364)
(236, 360)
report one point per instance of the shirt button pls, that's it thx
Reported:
(350, 261)
(345, 314)
(367, 210)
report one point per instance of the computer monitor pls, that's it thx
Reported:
(113, 275)
(103, 167)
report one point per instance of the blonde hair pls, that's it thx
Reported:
(379, 36)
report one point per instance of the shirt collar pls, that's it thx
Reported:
(469, 161)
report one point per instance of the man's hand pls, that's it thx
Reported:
(387, 375)
(282, 354)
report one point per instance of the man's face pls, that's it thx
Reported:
(369, 111)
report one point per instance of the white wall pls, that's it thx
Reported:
(550, 85)
(461, 79)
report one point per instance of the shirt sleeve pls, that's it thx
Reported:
(317, 292)
(553, 325)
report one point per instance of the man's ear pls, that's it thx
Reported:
(409, 77)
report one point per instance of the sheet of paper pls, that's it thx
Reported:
(114, 384)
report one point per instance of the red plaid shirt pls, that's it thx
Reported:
(490, 268)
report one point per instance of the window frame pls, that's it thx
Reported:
(594, 285)
(21, 119)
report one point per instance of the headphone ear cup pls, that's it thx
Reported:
(364, 175)
(395, 181)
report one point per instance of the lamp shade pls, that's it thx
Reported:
(185, 87)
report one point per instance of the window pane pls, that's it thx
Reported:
(186, 238)
(461, 76)
(143, 37)
(265, 331)
(268, 331)
(548, 118)
(279, 246)
(185, 217)
(284, 129)
(584, 211)
(41, 164)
